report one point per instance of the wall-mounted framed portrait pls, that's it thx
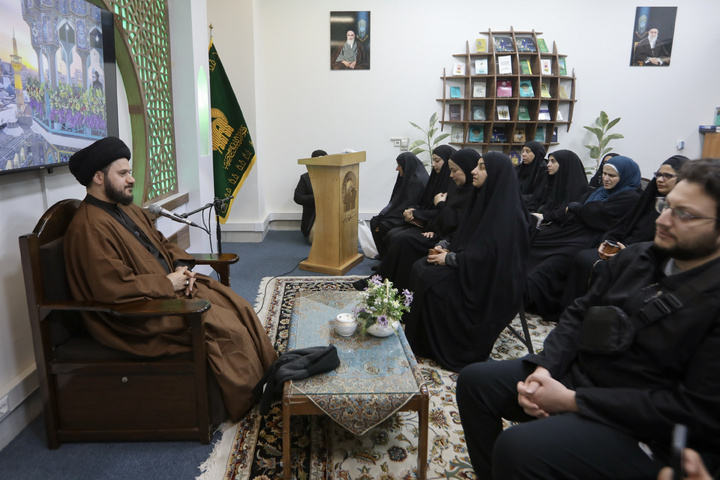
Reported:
(350, 40)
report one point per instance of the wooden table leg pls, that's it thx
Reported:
(423, 415)
(286, 431)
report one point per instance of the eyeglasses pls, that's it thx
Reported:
(665, 176)
(678, 213)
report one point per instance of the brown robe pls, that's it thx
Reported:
(106, 263)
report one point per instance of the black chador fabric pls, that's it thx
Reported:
(458, 312)
(294, 365)
(586, 221)
(409, 245)
(534, 176)
(596, 180)
(568, 184)
(407, 191)
(568, 278)
(439, 182)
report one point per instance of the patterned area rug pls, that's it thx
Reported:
(321, 449)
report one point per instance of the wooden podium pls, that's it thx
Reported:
(335, 183)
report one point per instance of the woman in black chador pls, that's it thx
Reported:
(567, 182)
(532, 170)
(409, 186)
(410, 245)
(554, 288)
(465, 297)
(417, 216)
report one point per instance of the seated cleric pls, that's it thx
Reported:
(114, 254)
(593, 406)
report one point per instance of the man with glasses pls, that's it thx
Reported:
(635, 356)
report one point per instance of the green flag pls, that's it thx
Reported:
(233, 150)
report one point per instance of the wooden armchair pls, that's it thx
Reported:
(94, 393)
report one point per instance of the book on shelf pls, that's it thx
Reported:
(544, 90)
(481, 66)
(456, 134)
(523, 113)
(562, 92)
(525, 44)
(459, 68)
(455, 114)
(455, 92)
(478, 113)
(514, 157)
(562, 67)
(503, 112)
(504, 88)
(481, 45)
(498, 135)
(546, 66)
(476, 134)
(519, 135)
(559, 116)
(554, 138)
(525, 67)
(504, 65)
(503, 43)
(544, 112)
(542, 45)
(526, 89)
(540, 134)
(479, 89)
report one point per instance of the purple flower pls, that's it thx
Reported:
(382, 320)
(408, 297)
(376, 280)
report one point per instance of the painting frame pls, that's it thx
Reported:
(653, 36)
(350, 45)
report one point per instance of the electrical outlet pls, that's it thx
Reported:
(4, 406)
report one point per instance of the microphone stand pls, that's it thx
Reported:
(218, 204)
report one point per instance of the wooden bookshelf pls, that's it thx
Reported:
(511, 128)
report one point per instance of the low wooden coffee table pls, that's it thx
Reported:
(376, 377)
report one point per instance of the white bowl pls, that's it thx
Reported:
(345, 324)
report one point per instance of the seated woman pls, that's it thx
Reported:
(466, 296)
(596, 180)
(582, 223)
(409, 186)
(410, 245)
(417, 216)
(567, 183)
(565, 280)
(532, 171)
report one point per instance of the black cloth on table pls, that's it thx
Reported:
(458, 312)
(410, 245)
(407, 191)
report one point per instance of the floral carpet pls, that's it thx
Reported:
(321, 449)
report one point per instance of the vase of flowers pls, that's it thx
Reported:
(381, 308)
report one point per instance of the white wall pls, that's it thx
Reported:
(294, 104)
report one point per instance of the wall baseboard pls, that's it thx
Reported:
(20, 417)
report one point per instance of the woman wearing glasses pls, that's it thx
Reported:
(571, 281)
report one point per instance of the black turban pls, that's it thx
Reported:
(84, 163)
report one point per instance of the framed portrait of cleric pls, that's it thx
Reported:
(350, 40)
(653, 32)
(57, 81)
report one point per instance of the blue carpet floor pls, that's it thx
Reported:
(27, 456)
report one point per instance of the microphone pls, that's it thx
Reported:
(156, 209)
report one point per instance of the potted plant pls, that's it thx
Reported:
(382, 307)
(418, 146)
(602, 126)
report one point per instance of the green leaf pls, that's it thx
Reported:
(431, 132)
(433, 118)
(415, 125)
(603, 119)
(441, 137)
(416, 143)
(612, 124)
(416, 151)
(615, 136)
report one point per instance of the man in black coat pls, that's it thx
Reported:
(304, 196)
(635, 356)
